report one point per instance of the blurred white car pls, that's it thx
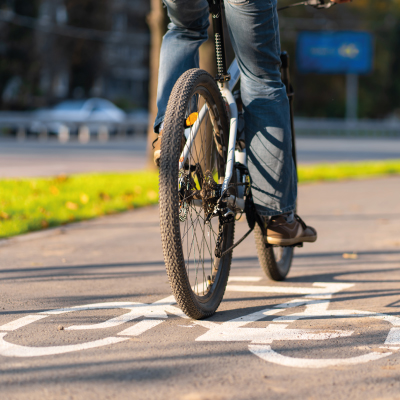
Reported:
(92, 112)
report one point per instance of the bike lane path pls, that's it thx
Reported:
(88, 314)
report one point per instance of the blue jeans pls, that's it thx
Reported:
(254, 32)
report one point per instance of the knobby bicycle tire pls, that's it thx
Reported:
(176, 209)
(274, 261)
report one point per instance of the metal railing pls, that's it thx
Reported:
(351, 128)
(24, 124)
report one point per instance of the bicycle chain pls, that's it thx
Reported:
(218, 244)
(218, 249)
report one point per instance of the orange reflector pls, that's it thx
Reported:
(191, 119)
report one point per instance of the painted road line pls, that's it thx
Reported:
(267, 354)
(272, 332)
(141, 327)
(315, 303)
(96, 306)
(121, 319)
(233, 330)
(158, 309)
(19, 323)
(168, 306)
(393, 337)
(319, 308)
(237, 322)
(166, 301)
(13, 350)
(319, 290)
(245, 279)
(140, 310)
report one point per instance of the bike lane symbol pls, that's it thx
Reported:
(316, 305)
(316, 302)
(154, 315)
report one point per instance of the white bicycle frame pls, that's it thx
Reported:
(226, 91)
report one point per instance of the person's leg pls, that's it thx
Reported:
(254, 31)
(180, 46)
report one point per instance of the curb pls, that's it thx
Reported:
(33, 236)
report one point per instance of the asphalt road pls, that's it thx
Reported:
(35, 158)
(312, 346)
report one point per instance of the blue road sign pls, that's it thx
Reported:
(335, 52)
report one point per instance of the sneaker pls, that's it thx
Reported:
(157, 149)
(288, 230)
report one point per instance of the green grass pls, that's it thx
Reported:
(28, 205)
(32, 204)
(342, 171)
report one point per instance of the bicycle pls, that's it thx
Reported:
(205, 184)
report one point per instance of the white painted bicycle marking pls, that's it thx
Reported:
(267, 354)
(244, 279)
(157, 310)
(19, 323)
(315, 302)
(319, 290)
(140, 327)
(13, 350)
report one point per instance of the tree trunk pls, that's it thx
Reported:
(157, 21)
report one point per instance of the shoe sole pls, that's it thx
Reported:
(290, 242)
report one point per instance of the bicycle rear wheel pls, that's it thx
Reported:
(197, 277)
(274, 261)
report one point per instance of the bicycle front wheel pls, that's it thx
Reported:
(195, 118)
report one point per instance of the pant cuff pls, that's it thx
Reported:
(268, 212)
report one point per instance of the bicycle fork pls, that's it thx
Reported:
(226, 80)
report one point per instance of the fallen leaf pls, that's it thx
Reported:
(4, 215)
(84, 198)
(61, 178)
(350, 256)
(127, 197)
(151, 194)
(71, 206)
(104, 196)
(54, 190)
